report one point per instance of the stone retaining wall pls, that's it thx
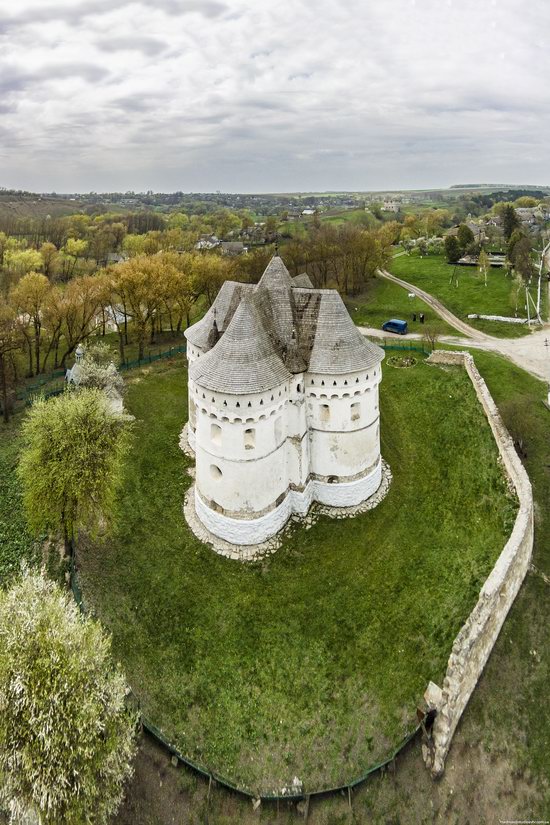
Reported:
(473, 645)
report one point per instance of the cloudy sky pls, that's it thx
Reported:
(250, 95)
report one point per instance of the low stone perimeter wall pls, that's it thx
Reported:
(473, 645)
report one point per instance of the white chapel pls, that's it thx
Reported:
(283, 406)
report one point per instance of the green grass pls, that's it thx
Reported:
(433, 274)
(16, 544)
(383, 300)
(310, 663)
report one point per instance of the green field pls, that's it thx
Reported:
(468, 293)
(312, 662)
(383, 300)
(16, 544)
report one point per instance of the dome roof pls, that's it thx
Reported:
(337, 346)
(256, 337)
(245, 359)
(221, 311)
(302, 281)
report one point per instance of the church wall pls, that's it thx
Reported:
(241, 487)
(344, 454)
(256, 530)
(343, 419)
(241, 449)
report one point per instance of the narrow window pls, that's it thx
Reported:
(249, 438)
(215, 472)
(355, 411)
(325, 413)
(299, 388)
(216, 434)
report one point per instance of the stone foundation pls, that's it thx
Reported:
(473, 645)
(254, 538)
(257, 530)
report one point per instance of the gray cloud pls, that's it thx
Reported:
(242, 95)
(150, 46)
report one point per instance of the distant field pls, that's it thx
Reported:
(383, 300)
(11, 207)
(466, 292)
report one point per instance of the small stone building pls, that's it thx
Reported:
(283, 406)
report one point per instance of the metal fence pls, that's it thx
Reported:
(395, 343)
(56, 380)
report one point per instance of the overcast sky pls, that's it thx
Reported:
(251, 96)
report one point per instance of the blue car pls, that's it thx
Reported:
(394, 325)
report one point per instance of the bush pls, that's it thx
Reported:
(66, 738)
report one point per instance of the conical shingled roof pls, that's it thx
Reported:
(275, 274)
(244, 360)
(222, 311)
(276, 302)
(338, 347)
(302, 281)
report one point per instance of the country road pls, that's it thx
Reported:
(531, 352)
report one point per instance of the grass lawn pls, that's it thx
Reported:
(16, 544)
(311, 663)
(383, 300)
(433, 274)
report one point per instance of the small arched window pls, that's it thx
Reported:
(249, 438)
(215, 434)
(215, 472)
(325, 413)
(355, 411)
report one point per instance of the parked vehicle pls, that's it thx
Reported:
(395, 325)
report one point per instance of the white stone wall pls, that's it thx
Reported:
(240, 448)
(264, 456)
(473, 645)
(242, 531)
(344, 423)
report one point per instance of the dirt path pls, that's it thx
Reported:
(531, 353)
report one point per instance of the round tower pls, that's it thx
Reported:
(343, 408)
(240, 390)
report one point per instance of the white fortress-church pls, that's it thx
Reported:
(283, 406)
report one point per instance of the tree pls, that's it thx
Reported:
(80, 305)
(71, 461)
(98, 370)
(525, 201)
(430, 335)
(50, 258)
(522, 260)
(29, 297)
(67, 740)
(510, 220)
(137, 282)
(10, 342)
(74, 249)
(452, 249)
(465, 237)
(17, 262)
(484, 264)
(209, 273)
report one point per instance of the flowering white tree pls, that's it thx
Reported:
(66, 737)
(98, 370)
